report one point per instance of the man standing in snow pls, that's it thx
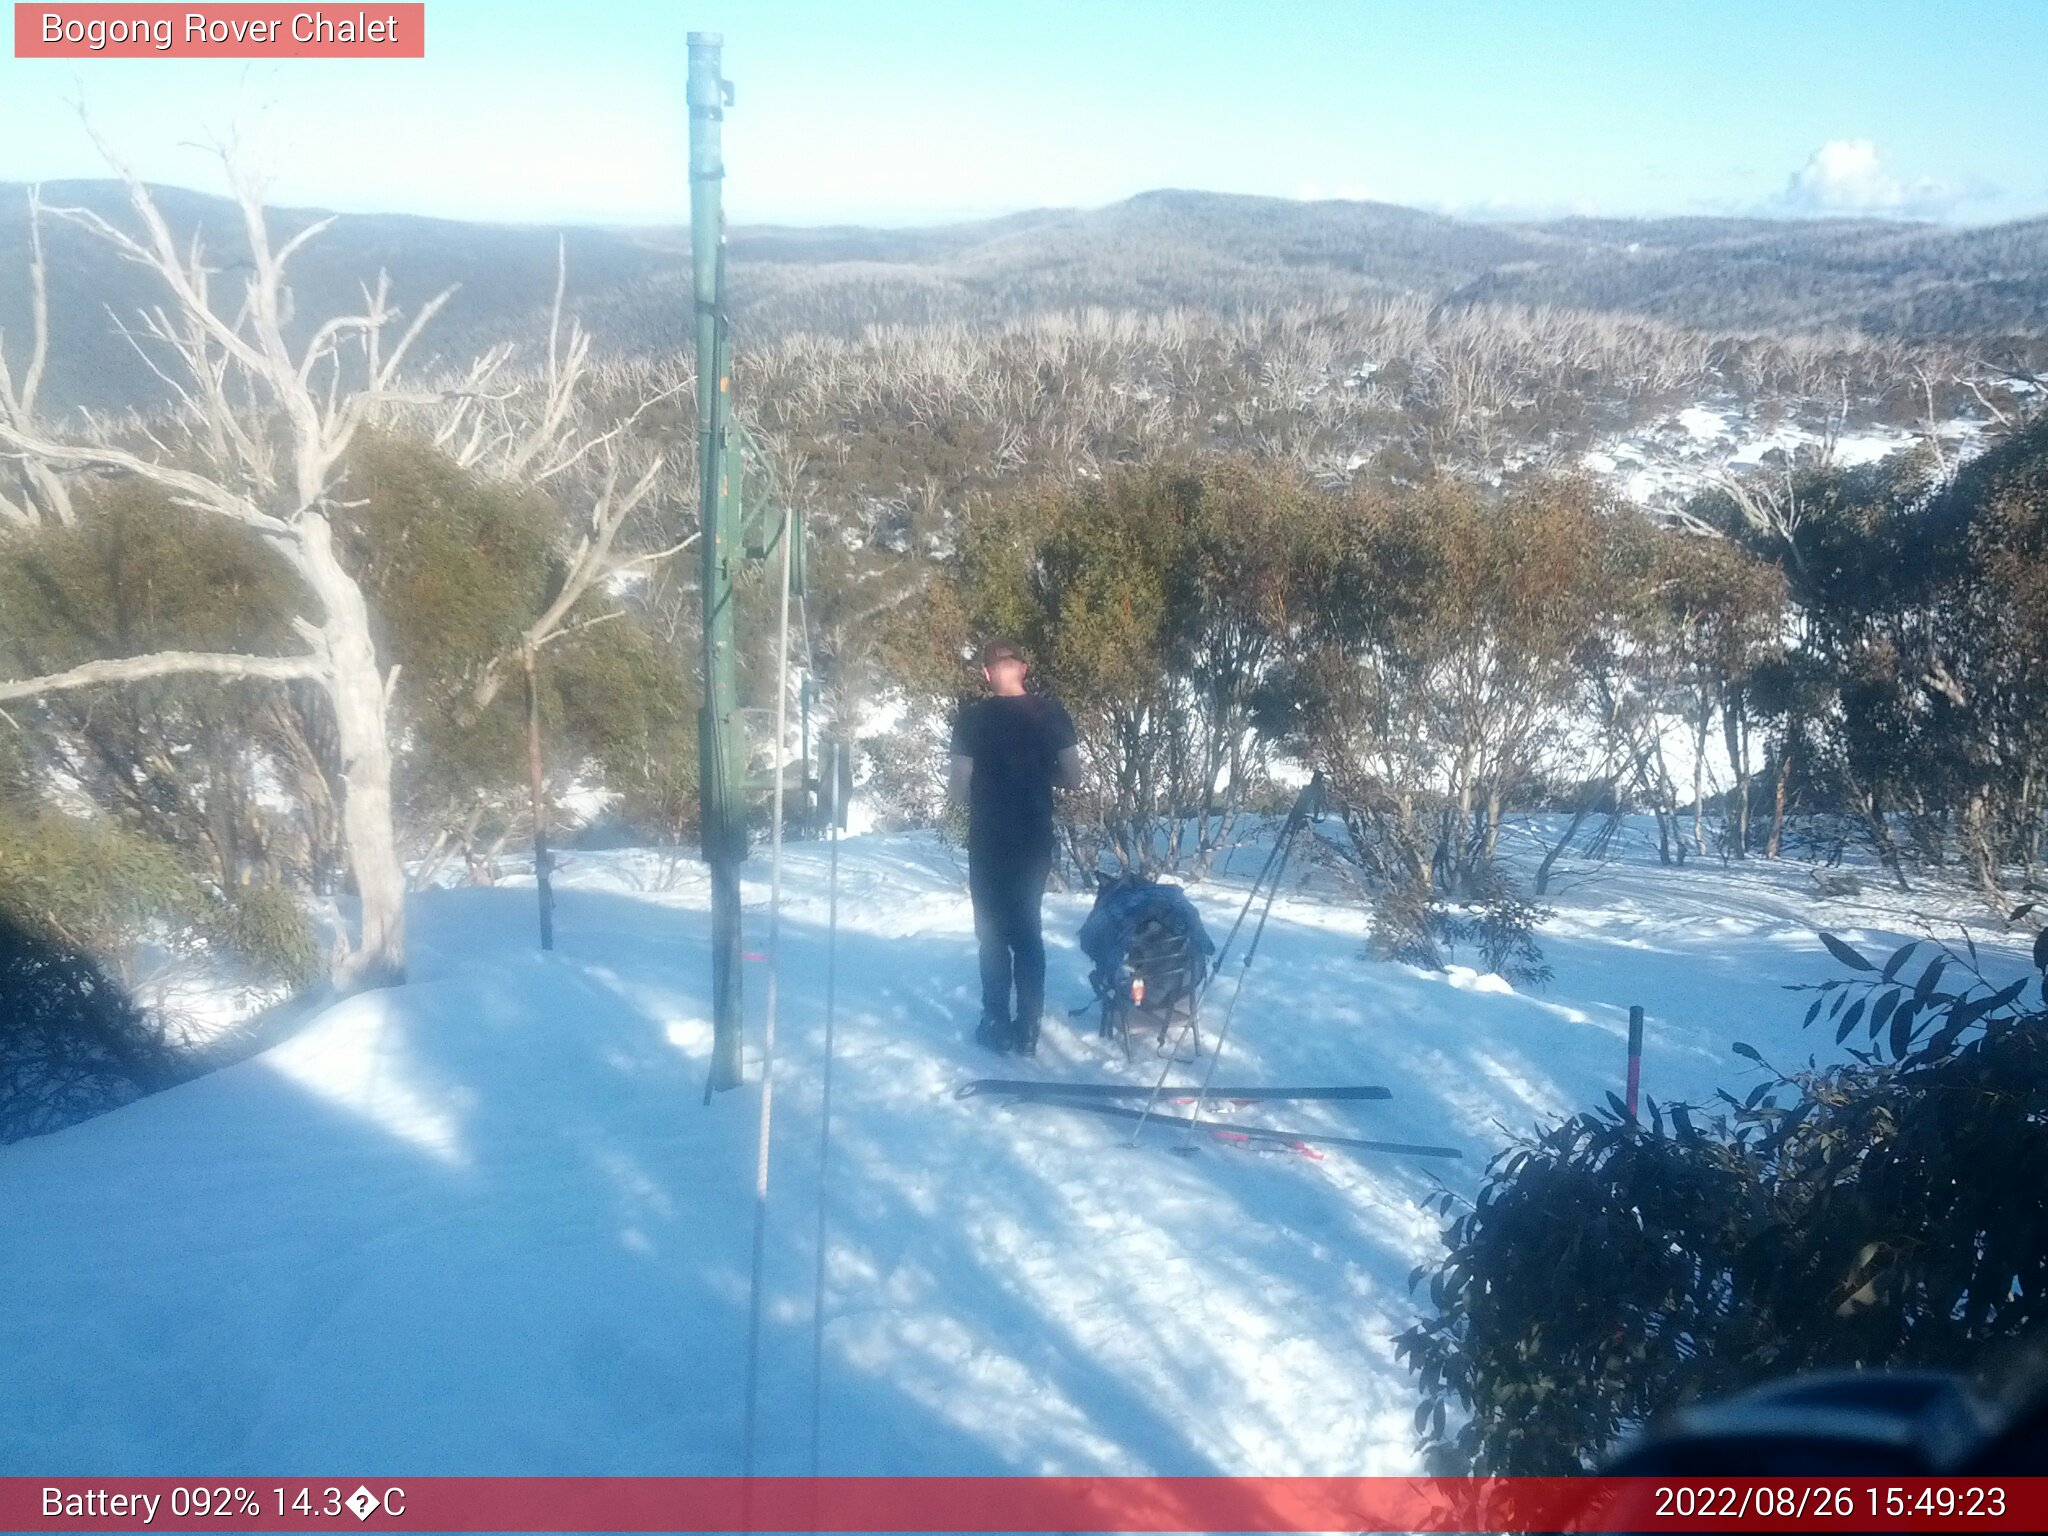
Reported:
(1010, 751)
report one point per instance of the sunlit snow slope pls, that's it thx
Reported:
(484, 1224)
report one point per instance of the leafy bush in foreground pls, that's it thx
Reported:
(72, 1042)
(1892, 1211)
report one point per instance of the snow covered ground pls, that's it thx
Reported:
(483, 1224)
(1661, 465)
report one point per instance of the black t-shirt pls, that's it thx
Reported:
(1015, 741)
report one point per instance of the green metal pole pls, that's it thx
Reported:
(721, 815)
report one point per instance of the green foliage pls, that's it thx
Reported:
(1694, 623)
(906, 780)
(617, 698)
(172, 758)
(1157, 601)
(1889, 1212)
(1501, 923)
(183, 857)
(265, 928)
(135, 573)
(191, 851)
(458, 568)
(1910, 700)
(456, 565)
(81, 901)
(1448, 639)
(88, 884)
(72, 1042)
(1411, 924)
(1405, 925)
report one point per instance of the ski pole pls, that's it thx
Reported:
(1223, 1032)
(1304, 808)
(1249, 897)
(1195, 1009)
(764, 1149)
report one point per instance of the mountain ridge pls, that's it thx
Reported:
(1164, 247)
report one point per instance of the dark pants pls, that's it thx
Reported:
(1008, 885)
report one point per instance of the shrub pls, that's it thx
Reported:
(265, 928)
(1887, 1212)
(85, 906)
(1501, 923)
(1405, 926)
(1410, 924)
(72, 1042)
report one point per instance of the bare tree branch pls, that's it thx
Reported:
(45, 493)
(655, 556)
(195, 491)
(591, 559)
(1769, 507)
(259, 441)
(1972, 386)
(39, 307)
(577, 628)
(135, 669)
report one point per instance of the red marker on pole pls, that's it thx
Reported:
(1635, 1057)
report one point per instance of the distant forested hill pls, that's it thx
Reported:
(1201, 250)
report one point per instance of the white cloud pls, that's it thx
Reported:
(1849, 176)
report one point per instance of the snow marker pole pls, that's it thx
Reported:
(834, 819)
(768, 1032)
(1635, 1057)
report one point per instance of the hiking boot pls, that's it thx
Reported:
(994, 1034)
(1024, 1038)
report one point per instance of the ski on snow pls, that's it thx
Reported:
(1024, 1087)
(1294, 1139)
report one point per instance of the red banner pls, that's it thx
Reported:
(376, 31)
(1006, 1504)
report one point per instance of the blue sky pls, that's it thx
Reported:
(901, 111)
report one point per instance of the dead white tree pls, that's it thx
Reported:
(31, 492)
(258, 438)
(1767, 503)
(1930, 419)
(544, 432)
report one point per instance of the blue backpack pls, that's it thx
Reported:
(1151, 954)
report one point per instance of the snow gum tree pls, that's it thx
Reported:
(268, 404)
(1694, 620)
(1440, 662)
(1157, 601)
(1906, 699)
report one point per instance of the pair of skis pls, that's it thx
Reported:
(1098, 1099)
